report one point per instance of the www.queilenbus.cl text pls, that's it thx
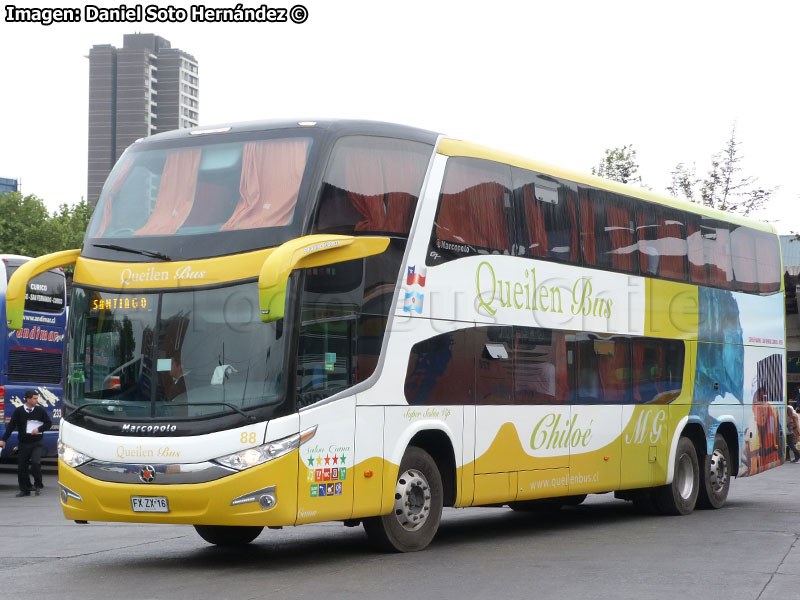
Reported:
(151, 13)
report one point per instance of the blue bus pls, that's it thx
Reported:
(32, 358)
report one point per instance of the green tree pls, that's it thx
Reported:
(724, 187)
(619, 164)
(24, 229)
(68, 225)
(684, 181)
(28, 228)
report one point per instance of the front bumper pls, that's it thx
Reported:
(217, 502)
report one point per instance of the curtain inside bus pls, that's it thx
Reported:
(372, 184)
(472, 204)
(270, 183)
(175, 194)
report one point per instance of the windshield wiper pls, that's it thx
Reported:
(106, 404)
(158, 255)
(120, 403)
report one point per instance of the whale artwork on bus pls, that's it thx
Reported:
(287, 322)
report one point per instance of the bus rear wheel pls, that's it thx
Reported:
(715, 478)
(417, 508)
(680, 496)
(226, 535)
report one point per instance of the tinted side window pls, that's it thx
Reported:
(657, 370)
(548, 223)
(603, 370)
(372, 185)
(474, 215)
(543, 369)
(662, 241)
(743, 255)
(717, 253)
(695, 247)
(768, 262)
(440, 370)
(324, 361)
(344, 315)
(494, 372)
(607, 231)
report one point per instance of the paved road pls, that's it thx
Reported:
(602, 549)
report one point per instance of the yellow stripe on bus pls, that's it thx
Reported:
(165, 275)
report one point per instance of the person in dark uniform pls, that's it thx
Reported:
(31, 421)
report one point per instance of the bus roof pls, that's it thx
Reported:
(452, 147)
(335, 126)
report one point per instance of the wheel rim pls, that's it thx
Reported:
(717, 472)
(685, 477)
(412, 500)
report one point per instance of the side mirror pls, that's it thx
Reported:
(15, 294)
(303, 253)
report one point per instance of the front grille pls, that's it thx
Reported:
(33, 366)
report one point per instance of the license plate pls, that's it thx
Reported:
(149, 504)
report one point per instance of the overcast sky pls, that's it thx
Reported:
(554, 81)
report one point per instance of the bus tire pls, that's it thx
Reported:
(715, 477)
(417, 509)
(227, 535)
(680, 496)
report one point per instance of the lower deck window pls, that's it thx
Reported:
(534, 366)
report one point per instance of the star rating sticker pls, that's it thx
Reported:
(327, 459)
(310, 461)
(319, 461)
(335, 459)
(342, 457)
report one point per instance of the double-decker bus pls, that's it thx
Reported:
(281, 323)
(31, 356)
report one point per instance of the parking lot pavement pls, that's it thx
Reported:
(33, 528)
(603, 549)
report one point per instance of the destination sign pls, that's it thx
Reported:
(119, 303)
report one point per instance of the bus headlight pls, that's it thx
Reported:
(260, 454)
(71, 456)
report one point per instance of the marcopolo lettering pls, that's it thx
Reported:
(166, 428)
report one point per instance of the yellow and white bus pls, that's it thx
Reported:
(281, 323)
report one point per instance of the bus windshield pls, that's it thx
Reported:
(243, 190)
(175, 355)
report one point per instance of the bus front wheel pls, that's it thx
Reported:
(680, 496)
(715, 478)
(417, 508)
(224, 535)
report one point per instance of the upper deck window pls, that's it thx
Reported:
(549, 227)
(372, 185)
(474, 214)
